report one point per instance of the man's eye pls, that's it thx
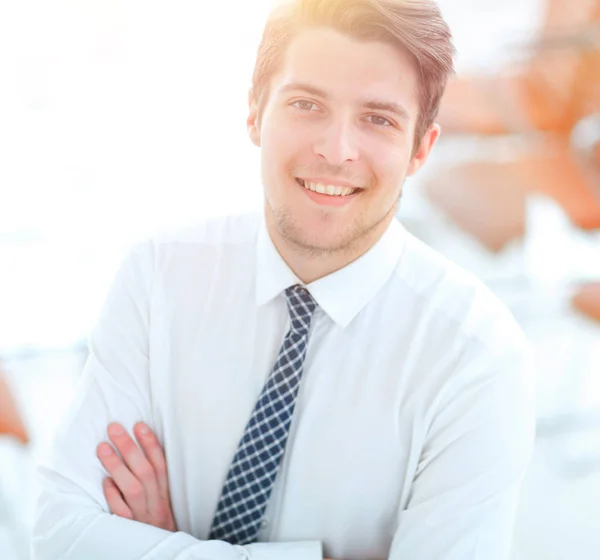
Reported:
(303, 105)
(379, 121)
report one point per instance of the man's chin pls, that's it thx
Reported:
(318, 243)
(312, 233)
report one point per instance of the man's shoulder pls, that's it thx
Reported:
(448, 293)
(200, 243)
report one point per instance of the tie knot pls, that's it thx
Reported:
(301, 306)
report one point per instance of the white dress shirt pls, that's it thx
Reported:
(412, 431)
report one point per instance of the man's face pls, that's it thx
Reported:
(341, 113)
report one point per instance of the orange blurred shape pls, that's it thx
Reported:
(11, 423)
(587, 300)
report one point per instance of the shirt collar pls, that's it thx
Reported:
(341, 294)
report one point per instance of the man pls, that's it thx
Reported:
(313, 381)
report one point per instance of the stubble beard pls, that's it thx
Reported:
(359, 231)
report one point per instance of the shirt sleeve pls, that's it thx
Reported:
(480, 440)
(72, 519)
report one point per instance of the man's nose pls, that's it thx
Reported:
(338, 144)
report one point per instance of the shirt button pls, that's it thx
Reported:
(264, 523)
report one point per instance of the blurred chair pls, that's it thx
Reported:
(487, 199)
(539, 107)
(11, 423)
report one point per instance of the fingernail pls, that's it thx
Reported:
(144, 429)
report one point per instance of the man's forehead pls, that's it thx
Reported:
(317, 43)
(331, 60)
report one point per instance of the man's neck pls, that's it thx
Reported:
(310, 265)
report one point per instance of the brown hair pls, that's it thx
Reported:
(415, 25)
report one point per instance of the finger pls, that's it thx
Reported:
(136, 461)
(156, 456)
(130, 487)
(115, 500)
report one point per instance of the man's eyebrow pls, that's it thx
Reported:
(300, 86)
(373, 104)
(387, 106)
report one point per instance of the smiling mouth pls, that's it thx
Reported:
(330, 190)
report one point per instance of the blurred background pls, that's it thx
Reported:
(119, 118)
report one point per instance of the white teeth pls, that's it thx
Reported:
(328, 189)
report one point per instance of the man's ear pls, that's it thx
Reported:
(253, 121)
(420, 157)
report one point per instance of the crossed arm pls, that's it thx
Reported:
(138, 485)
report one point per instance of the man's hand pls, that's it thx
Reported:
(138, 487)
